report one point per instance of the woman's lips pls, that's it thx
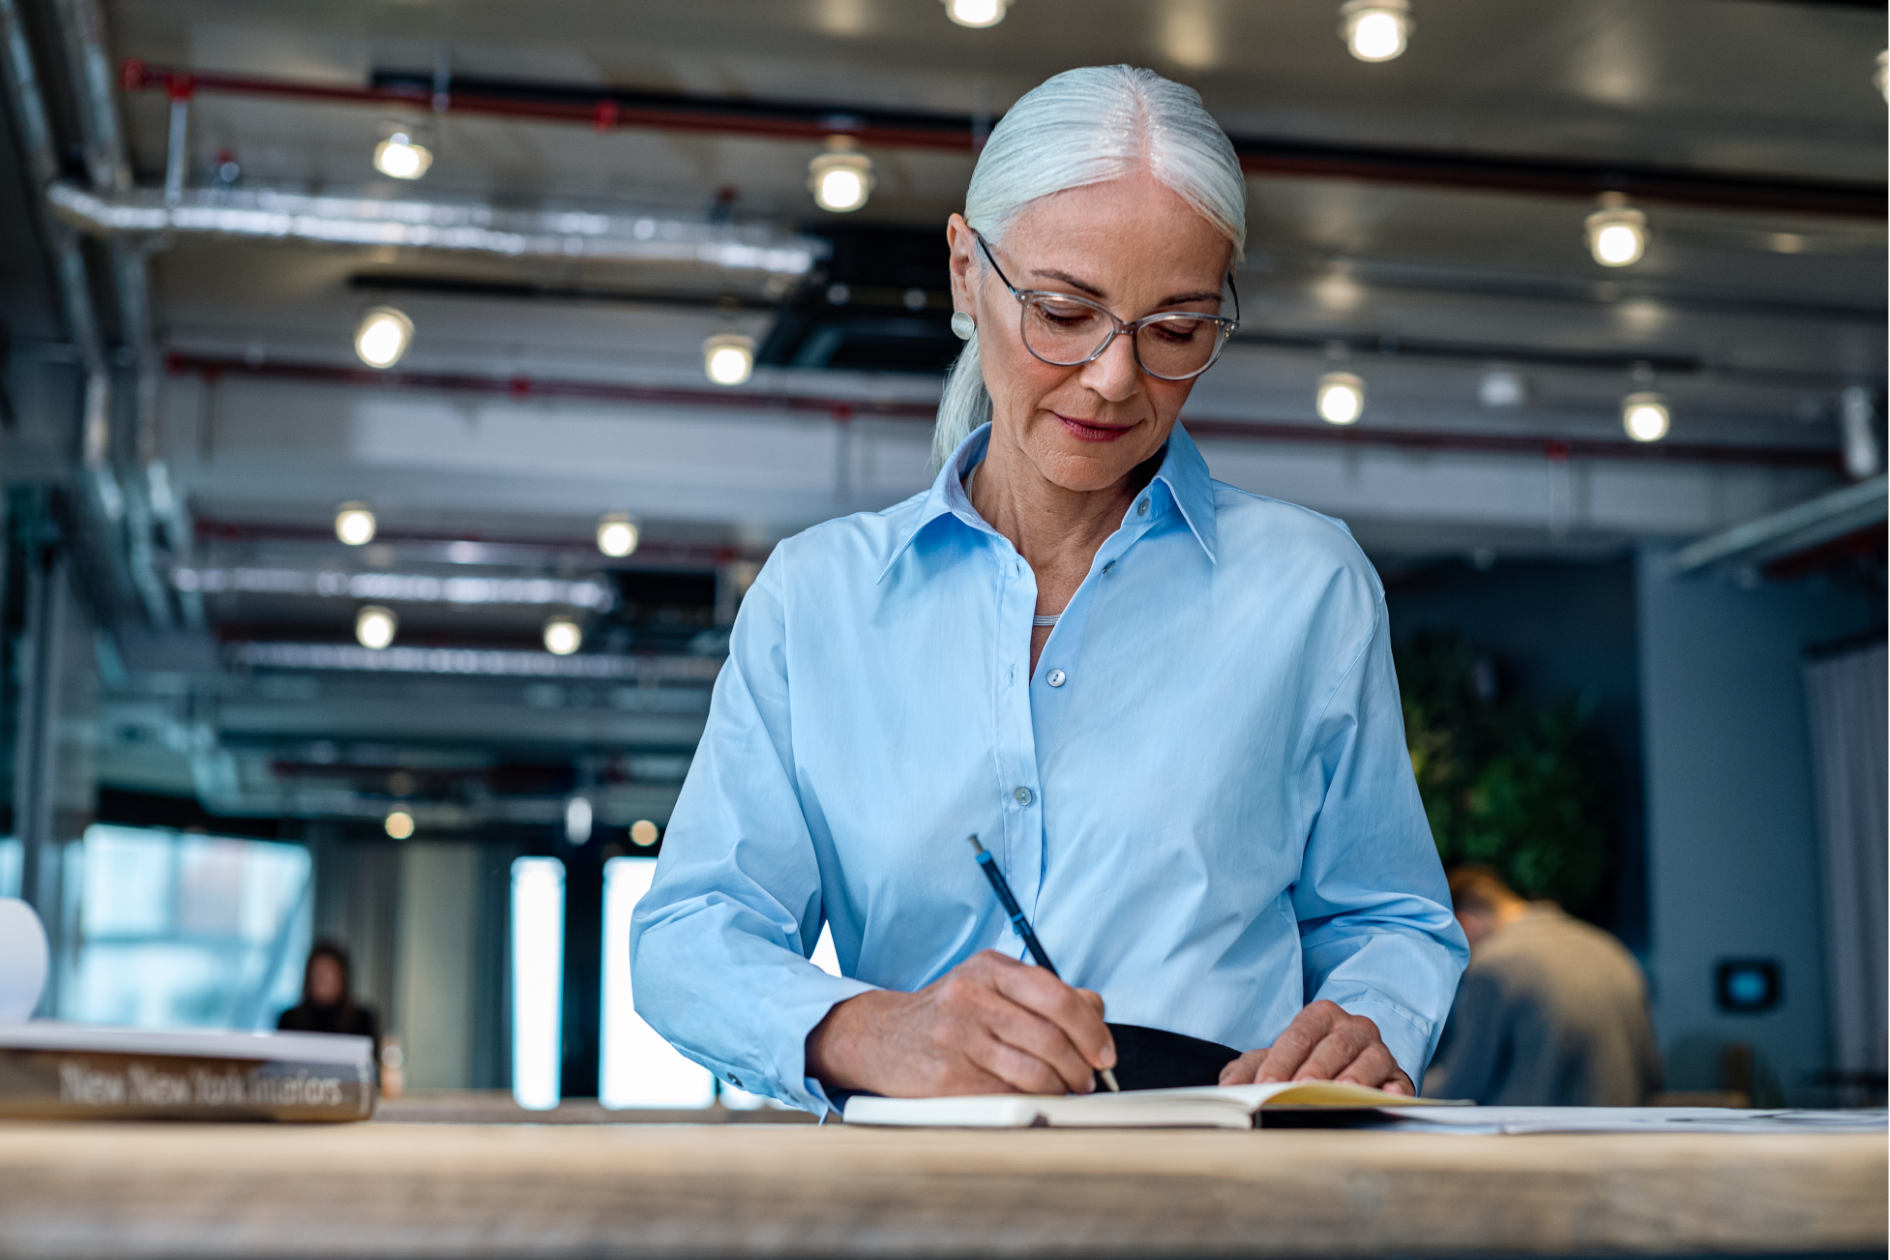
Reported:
(1091, 432)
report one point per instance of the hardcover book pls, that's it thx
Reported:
(58, 1071)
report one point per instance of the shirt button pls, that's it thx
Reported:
(1108, 568)
(1056, 678)
(1023, 796)
(734, 1080)
(1141, 509)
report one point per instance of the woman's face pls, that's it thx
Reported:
(1135, 246)
(326, 985)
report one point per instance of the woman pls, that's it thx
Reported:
(1165, 705)
(328, 1004)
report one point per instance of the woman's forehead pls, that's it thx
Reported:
(1122, 232)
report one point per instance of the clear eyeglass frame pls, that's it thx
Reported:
(1225, 324)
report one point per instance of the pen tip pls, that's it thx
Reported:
(974, 844)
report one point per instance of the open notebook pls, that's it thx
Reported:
(1216, 1107)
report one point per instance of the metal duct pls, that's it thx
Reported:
(467, 228)
(1796, 529)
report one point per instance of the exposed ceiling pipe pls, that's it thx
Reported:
(149, 505)
(20, 73)
(466, 228)
(1797, 528)
(607, 109)
(843, 410)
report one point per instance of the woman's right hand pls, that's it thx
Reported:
(991, 1025)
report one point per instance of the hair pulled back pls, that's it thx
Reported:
(1087, 126)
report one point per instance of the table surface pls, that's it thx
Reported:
(640, 1189)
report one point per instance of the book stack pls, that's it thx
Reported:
(53, 1071)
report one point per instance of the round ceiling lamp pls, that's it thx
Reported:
(729, 358)
(1645, 417)
(563, 636)
(402, 154)
(840, 178)
(1616, 233)
(1341, 398)
(382, 337)
(355, 524)
(375, 627)
(617, 535)
(977, 14)
(1375, 30)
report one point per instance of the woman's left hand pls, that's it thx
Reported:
(1323, 1043)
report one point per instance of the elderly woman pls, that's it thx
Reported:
(1165, 705)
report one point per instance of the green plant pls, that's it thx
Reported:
(1514, 783)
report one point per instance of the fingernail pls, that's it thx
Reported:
(1109, 1056)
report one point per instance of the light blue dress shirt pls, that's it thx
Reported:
(1202, 798)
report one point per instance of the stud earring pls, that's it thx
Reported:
(962, 325)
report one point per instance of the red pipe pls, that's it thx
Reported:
(842, 410)
(1260, 156)
(601, 114)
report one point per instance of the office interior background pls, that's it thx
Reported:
(400, 396)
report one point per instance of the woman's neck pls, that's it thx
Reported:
(1055, 529)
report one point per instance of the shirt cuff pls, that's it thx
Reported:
(796, 1010)
(1406, 1034)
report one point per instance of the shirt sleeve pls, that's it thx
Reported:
(1377, 935)
(719, 945)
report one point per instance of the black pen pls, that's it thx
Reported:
(1018, 921)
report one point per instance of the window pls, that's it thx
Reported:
(183, 930)
(537, 981)
(640, 1069)
(12, 857)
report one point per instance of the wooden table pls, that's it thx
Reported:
(637, 1189)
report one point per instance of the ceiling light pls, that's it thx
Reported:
(577, 820)
(616, 535)
(1501, 387)
(728, 358)
(562, 636)
(1375, 30)
(1341, 398)
(1617, 233)
(354, 524)
(399, 824)
(1881, 75)
(383, 336)
(375, 627)
(1644, 416)
(402, 155)
(976, 13)
(840, 179)
(643, 833)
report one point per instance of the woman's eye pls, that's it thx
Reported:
(1066, 314)
(1179, 329)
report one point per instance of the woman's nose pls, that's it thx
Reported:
(1113, 374)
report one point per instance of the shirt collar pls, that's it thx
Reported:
(1183, 475)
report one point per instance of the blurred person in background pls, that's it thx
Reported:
(328, 1004)
(1551, 1012)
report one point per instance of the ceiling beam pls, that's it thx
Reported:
(610, 108)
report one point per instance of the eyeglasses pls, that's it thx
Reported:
(1065, 330)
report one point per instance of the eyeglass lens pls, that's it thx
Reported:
(1064, 332)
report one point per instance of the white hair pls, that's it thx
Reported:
(1087, 126)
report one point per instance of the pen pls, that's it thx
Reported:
(1018, 921)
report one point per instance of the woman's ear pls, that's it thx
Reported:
(963, 266)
